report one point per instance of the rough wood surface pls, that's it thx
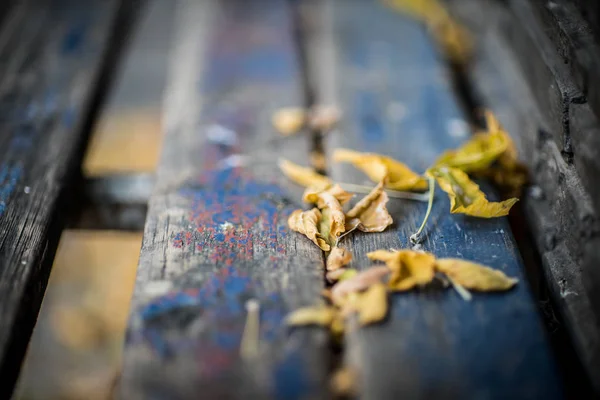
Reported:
(51, 55)
(216, 234)
(396, 97)
(559, 207)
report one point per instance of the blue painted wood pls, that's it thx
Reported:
(397, 100)
(51, 59)
(216, 234)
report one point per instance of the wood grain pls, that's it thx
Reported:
(216, 235)
(51, 57)
(383, 71)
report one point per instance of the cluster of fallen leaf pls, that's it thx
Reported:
(364, 294)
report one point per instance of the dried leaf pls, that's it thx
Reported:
(344, 382)
(477, 154)
(312, 195)
(465, 196)
(508, 172)
(338, 258)
(308, 223)
(304, 176)
(408, 268)
(288, 121)
(372, 212)
(371, 305)
(357, 283)
(385, 256)
(475, 276)
(321, 315)
(323, 118)
(333, 222)
(378, 168)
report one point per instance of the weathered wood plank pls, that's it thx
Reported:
(396, 98)
(559, 208)
(216, 235)
(51, 56)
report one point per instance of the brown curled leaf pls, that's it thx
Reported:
(333, 221)
(378, 168)
(307, 223)
(465, 195)
(289, 121)
(322, 316)
(371, 211)
(304, 176)
(475, 276)
(313, 195)
(337, 258)
(357, 283)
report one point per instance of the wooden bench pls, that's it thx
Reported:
(217, 251)
(52, 65)
(216, 233)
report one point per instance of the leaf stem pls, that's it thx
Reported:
(464, 293)
(416, 238)
(392, 193)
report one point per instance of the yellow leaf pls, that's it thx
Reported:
(465, 196)
(378, 168)
(307, 223)
(408, 268)
(304, 176)
(338, 258)
(288, 121)
(508, 172)
(371, 305)
(371, 211)
(474, 276)
(357, 283)
(322, 316)
(385, 256)
(477, 154)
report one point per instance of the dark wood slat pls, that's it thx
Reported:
(216, 234)
(51, 56)
(396, 97)
(560, 210)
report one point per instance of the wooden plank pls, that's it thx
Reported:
(51, 56)
(559, 209)
(216, 235)
(396, 98)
